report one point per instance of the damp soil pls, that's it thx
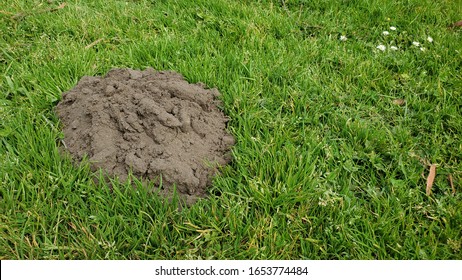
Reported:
(151, 123)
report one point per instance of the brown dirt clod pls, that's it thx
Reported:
(153, 123)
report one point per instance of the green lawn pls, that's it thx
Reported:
(333, 136)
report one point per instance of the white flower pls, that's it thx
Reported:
(422, 49)
(381, 47)
(430, 39)
(392, 28)
(322, 202)
(394, 48)
(385, 33)
(343, 38)
(416, 43)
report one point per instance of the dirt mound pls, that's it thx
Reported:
(153, 123)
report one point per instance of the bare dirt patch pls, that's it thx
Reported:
(153, 123)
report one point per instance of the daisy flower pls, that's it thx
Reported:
(395, 48)
(416, 43)
(381, 47)
(385, 33)
(430, 39)
(343, 38)
(392, 28)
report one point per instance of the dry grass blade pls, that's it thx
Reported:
(22, 15)
(5, 13)
(452, 184)
(62, 5)
(93, 44)
(430, 179)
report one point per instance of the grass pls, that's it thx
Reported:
(328, 164)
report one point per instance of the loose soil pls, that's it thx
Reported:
(152, 123)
